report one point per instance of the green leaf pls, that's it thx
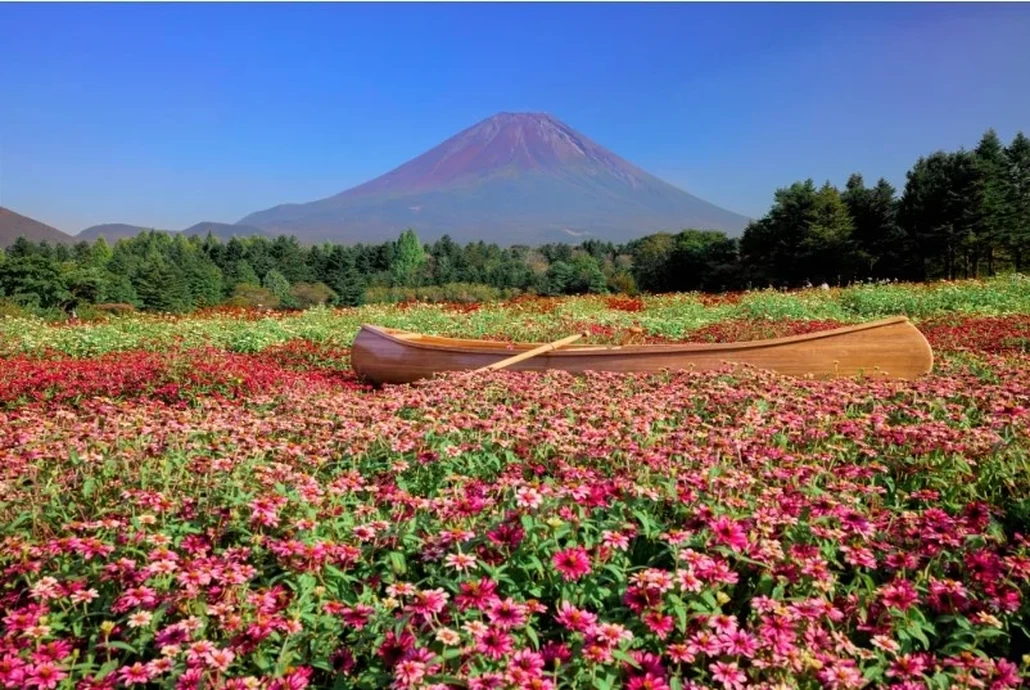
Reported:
(108, 668)
(397, 563)
(916, 631)
(117, 644)
(624, 657)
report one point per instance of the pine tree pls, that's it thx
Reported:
(276, 283)
(993, 214)
(161, 285)
(239, 272)
(827, 246)
(288, 258)
(1017, 238)
(343, 278)
(408, 260)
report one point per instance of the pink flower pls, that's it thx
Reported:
(506, 614)
(137, 674)
(729, 533)
(900, 594)
(572, 563)
(647, 681)
(220, 658)
(661, 625)
(575, 619)
(45, 676)
(428, 603)
(728, 674)
(408, 673)
(12, 671)
(494, 643)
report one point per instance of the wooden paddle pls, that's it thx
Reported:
(532, 353)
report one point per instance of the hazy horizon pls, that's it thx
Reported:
(168, 115)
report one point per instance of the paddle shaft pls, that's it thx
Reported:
(532, 353)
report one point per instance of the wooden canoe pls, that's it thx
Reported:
(891, 348)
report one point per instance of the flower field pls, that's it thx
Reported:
(216, 501)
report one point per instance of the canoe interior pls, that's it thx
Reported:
(420, 340)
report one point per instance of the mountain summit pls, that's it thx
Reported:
(514, 178)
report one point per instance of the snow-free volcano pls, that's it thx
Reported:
(514, 178)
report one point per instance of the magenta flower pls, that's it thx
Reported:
(572, 563)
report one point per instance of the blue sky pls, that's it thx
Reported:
(166, 115)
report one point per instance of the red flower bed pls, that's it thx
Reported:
(993, 334)
(629, 304)
(174, 376)
(758, 329)
(462, 307)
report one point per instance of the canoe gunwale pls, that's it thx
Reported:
(500, 347)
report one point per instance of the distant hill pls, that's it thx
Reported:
(514, 178)
(112, 232)
(224, 231)
(14, 225)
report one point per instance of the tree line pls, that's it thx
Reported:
(960, 214)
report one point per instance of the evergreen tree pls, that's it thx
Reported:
(1017, 238)
(343, 278)
(772, 248)
(21, 247)
(408, 260)
(204, 280)
(33, 279)
(557, 279)
(101, 252)
(585, 276)
(258, 253)
(161, 285)
(993, 180)
(239, 273)
(288, 257)
(827, 246)
(86, 284)
(276, 283)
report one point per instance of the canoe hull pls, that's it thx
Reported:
(892, 348)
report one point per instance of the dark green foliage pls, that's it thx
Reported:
(161, 285)
(585, 276)
(991, 164)
(557, 279)
(805, 238)
(343, 278)
(651, 258)
(33, 279)
(1016, 238)
(86, 284)
(882, 248)
(702, 260)
(240, 272)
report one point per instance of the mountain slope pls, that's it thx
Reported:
(14, 225)
(512, 178)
